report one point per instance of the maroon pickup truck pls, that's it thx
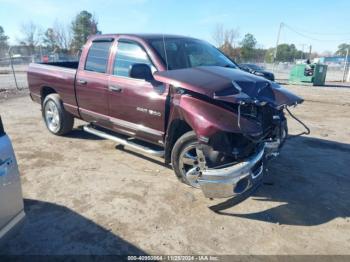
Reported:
(174, 97)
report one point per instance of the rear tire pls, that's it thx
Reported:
(58, 121)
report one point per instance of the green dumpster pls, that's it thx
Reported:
(313, 74)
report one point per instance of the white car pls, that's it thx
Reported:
(11, 200)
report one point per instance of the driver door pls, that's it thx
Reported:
(136, 106)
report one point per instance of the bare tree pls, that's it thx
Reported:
(226, 39)
(31, 35)
(223, 37)
(63, 35)
(231, 36)
(219, 35)
(50, 40)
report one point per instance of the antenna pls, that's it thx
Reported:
(165, 53)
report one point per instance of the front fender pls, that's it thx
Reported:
(206, 119)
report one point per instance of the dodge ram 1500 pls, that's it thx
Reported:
(171, 96)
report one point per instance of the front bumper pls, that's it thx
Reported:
(233, 180)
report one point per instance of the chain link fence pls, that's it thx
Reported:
(336, 72)
(14, 64)
(13, 76)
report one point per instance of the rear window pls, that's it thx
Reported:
(97, 58)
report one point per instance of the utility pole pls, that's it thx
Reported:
(310, 50)
(345, 64)
(277, 43)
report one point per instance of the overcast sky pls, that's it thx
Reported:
(323, 24)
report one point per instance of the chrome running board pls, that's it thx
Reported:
(124, 142)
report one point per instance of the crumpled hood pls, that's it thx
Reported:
(228, 84)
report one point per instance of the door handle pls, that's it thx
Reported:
(82, 82)
(117, 89)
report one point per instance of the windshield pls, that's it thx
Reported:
(185, 53)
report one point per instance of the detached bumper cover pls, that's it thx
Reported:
(233, 180)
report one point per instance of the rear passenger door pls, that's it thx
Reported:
(92, 82)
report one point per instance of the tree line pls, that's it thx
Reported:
(248, 50)
(60, 38)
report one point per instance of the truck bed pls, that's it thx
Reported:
(59, 76)
(71, 64)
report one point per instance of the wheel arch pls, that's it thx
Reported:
(176, 129)
(45, 91)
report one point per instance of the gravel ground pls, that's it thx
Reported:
(84, 195)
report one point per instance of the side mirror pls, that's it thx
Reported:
(141, 71)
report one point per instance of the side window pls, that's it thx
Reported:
(129, 53)
(97, 58)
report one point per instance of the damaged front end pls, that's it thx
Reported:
(234, 179)
(236, 162)
(240, 123)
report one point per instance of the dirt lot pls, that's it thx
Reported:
(85, 196)
(7, 81)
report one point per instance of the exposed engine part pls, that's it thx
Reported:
(227, 147)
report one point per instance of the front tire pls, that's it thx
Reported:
(58, 121)
(184, 159)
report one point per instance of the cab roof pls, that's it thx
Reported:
(143, 36)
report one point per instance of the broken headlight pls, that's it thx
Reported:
(249, 110)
